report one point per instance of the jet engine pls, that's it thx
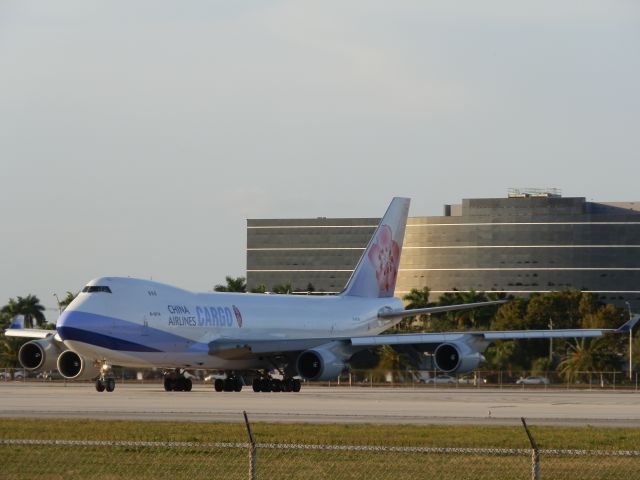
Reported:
(319, 364)
(74, 367)
(456, 357)
(39, 354)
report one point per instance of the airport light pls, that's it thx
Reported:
(550, 325)
(59, 306)
(630, 344)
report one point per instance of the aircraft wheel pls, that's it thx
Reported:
(295, 387)
(218, 385)
(257, 384)
(237, 384)
(276, 385)
(286, 385)
(265, 385)
(168, 384)
(99, 385)
(188, 384)
(111, 385)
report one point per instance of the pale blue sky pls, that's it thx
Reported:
(136, 137)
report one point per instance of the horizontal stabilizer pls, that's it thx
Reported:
(428, 310)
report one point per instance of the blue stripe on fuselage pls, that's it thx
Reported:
(115, 334)
(104, 341)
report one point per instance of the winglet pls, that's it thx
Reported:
(627, 326)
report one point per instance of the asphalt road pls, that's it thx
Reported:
(324, 405)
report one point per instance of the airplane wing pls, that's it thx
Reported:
(427, 310)
(238, 348)
(28, 332)
(16, 330)
(437, 338)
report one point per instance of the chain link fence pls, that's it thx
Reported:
(110, 459)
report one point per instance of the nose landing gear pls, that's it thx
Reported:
(105, 381)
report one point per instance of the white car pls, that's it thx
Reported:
(533, 381)
(442, 380)
(17, 375)
(471, 380)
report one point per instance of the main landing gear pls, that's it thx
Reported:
(176, 382)
(232, 383)
(105, 381)
(262, 382)
(269, 384)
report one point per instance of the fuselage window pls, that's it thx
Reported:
(96, 288)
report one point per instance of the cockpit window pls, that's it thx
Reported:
(96, 288)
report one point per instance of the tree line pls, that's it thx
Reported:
(572, 309)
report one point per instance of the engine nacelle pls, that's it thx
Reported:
(456, 357)
(319, 364)
(74, 367)
(39, 354)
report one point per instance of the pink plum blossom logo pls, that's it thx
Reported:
(384, 255)
(238, 315)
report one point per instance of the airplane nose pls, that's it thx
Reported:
(68, 322)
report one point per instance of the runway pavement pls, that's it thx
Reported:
(324, 405)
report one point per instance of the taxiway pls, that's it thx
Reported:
(324, 405)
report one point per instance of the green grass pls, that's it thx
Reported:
(65, 462)
(344, 434)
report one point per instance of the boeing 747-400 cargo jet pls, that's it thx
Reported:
(141, 323)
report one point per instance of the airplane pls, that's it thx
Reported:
(141, 323)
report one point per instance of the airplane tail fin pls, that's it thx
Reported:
(377, 270)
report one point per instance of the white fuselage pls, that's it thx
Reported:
(141, 323)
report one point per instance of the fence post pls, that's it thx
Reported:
(535, 454)
(252, 449)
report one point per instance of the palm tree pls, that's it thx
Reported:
(418, 298)
(10, 310)
(284, 288)
(238, 284)
(9, 347)
(587, 356)
(68, 298)
(262, 288)
(501, 355)
(471, 318)
(393, 362)
(29, 307)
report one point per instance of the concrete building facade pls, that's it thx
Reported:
(527, 242)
